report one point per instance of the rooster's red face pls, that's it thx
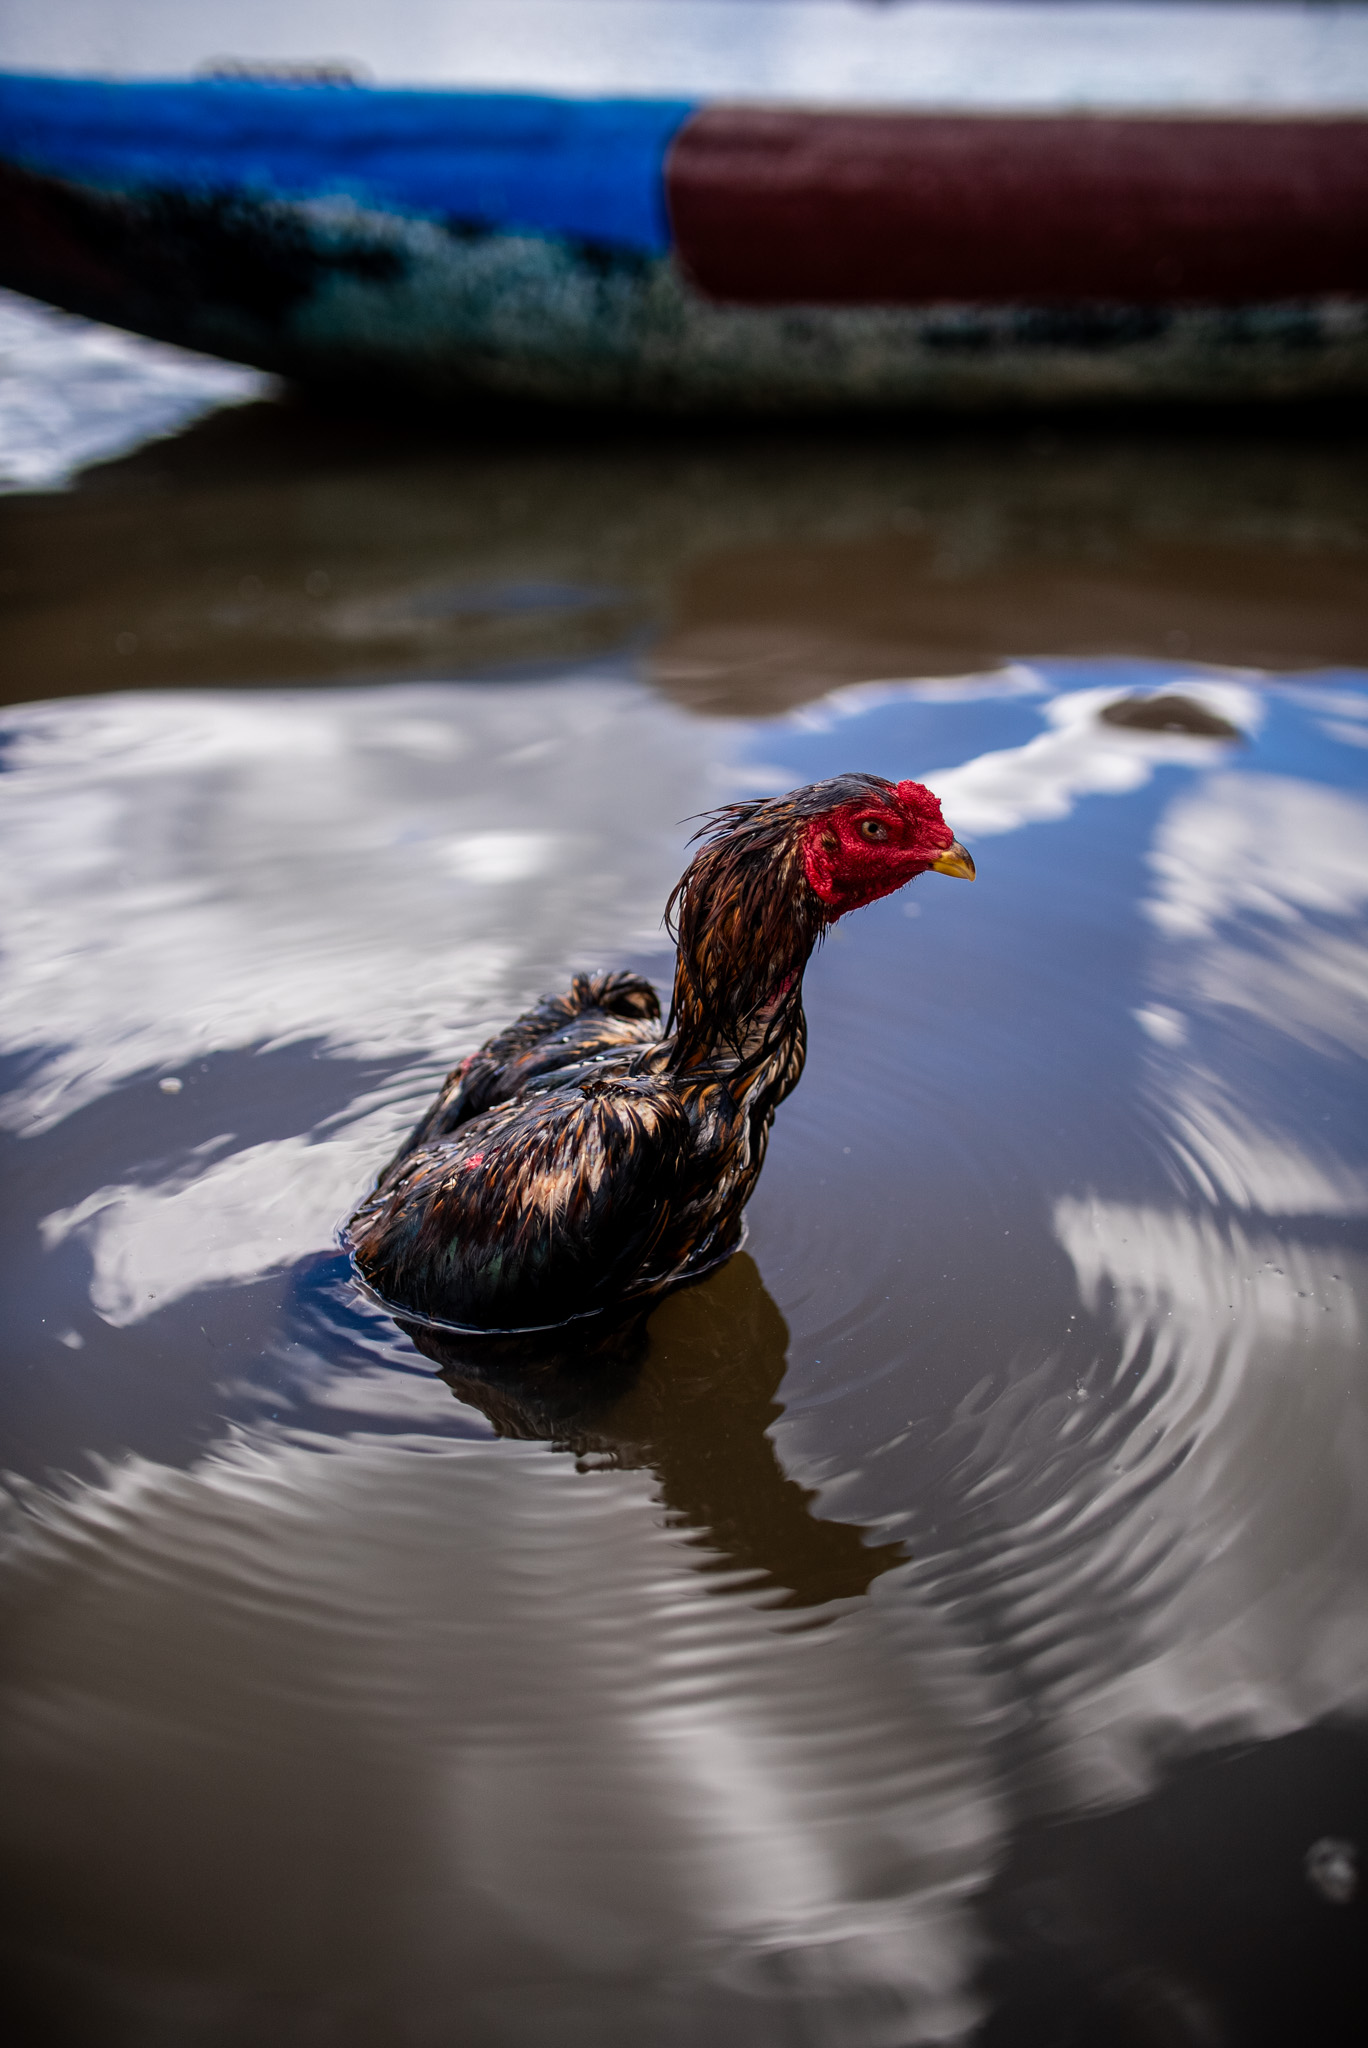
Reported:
(868, 848)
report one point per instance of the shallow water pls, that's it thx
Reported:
(953, 1627)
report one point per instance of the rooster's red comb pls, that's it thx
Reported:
(924, 806)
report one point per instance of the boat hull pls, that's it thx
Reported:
(732, 260)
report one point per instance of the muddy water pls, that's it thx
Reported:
(951, 1627)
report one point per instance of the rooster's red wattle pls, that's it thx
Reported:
(585, 1157)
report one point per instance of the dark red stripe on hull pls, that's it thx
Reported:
(773, 207)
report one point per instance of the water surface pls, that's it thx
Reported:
(951, 1628)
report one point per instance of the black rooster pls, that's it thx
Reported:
(584, 1158)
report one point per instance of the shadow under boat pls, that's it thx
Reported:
(739, 574)
(687, 1390)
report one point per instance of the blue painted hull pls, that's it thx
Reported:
(453, 246)
(578, 170)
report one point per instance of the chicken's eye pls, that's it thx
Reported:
(873, 828)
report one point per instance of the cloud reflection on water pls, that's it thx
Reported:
(1080, 756)
(1260, 886)
(381, 869)
(557, 1779)
(195, 871)
(1249, 1343)
(458, 1726)
(1258, 845)
(74, 393)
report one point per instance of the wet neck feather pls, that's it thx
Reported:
(747, 922)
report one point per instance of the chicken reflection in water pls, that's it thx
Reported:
(431, 1733)
(688, 1396)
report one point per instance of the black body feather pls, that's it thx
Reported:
(585, 1156)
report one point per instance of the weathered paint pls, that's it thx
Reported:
(788, 206)
(329, 289)
(331, 293)
(587, 169)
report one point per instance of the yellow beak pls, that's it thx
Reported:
(955, 861)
